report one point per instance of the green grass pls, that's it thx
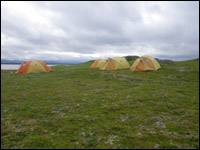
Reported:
(79, 107)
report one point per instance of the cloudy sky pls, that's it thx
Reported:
(91, 30)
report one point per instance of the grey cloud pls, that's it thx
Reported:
(164, 29)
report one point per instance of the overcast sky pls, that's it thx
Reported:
(91, 30)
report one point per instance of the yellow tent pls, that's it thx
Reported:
(115, 63)
(98, 63)
(145, 63)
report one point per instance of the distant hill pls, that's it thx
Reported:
(62, 62)
(129, 58)
(5, 61)
(197, 59)
(164, 60)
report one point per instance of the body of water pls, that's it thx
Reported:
(14, 66)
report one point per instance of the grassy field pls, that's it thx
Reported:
(79, 107)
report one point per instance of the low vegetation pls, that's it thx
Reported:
(79, 107)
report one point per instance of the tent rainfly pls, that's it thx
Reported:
(115, 63)
(33, 67)
(98, 63)
(145, 63)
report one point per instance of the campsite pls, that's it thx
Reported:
(99, 75)
(77, 107)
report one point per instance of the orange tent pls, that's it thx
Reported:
(33, 67)
(94, 64)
